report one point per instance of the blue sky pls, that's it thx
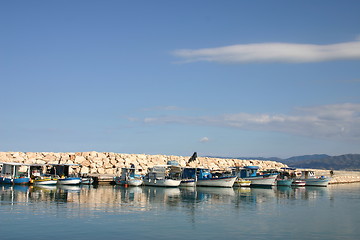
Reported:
(223, 78)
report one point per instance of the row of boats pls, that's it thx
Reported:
(18, 173)
(172, 175)
(169, 175)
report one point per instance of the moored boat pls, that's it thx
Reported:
(66, 173)
(69, 181)
(44, 180)
(87, 180)
(284, 182)
(163, 176)
(239, 182)
(15, 173)
(311, 180)
(129, 177)
(298, 183)
(188, 177)
(204, 178)
(250, 173)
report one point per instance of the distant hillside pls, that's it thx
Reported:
(342, 162)
(298, 159)
(317, 161)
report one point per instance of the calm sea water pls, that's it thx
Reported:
(114, 212)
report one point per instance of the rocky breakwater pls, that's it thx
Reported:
(108, 164)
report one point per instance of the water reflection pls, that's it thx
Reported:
(117, 198)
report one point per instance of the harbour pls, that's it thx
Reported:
(114, 211)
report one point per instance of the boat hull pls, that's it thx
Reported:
(87, 180)
(15, 180)
(130, 182)
(262, 181)
(216, 182)
(45, 182)
(187, 183)
(298, 183)
(317, 182)
(284, 182)
(162, 182)
(242, 183)
(69, 181)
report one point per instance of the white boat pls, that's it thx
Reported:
(204, 178)
(45, 180)
(69, 181)
(311, 180)
(163, 176)
(87, 180)
(249, 173)
(129, 177)
(298, 183)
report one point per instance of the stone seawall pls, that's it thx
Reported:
(107, 163)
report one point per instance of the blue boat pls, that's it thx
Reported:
(15, 173)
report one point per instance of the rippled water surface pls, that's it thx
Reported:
(114, 212)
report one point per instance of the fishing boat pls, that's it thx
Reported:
(239, 182)
(69, 181)
(129, 177)
(311, 180)
(163, 176)
(67, 173)
(204, 178)
(298, 183)
(87, 180)
(188, 176)
(44, 180)
(250, 173)
(284, 182)
(15, 173)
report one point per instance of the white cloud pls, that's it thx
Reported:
(338, 121)
(273, 52)
(204, 139)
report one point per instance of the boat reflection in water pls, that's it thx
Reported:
(118, 198)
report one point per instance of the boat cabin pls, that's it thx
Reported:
(15, 170)
(245, 172)
(65, 170)
(164, 171)
(307, 174)
(203, 173)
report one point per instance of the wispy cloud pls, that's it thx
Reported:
(204, 139)
(273, 52)
(338, 121)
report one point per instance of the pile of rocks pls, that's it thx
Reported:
(108, 163)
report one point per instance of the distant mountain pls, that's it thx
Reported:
(298, 159)
(316, 161)
(342, 162)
